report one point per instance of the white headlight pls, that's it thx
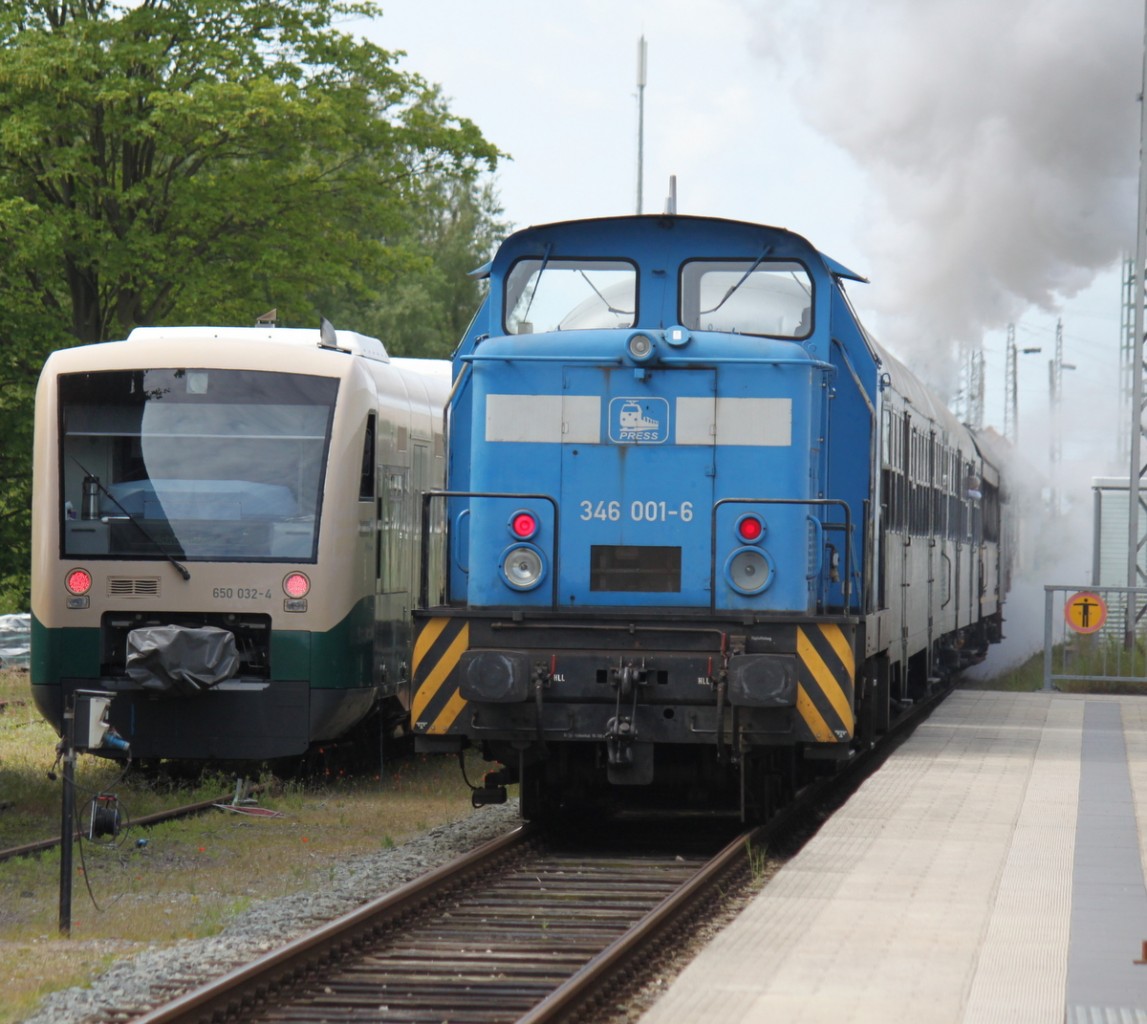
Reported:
(522, 567)
(749, 570)
(640, 347)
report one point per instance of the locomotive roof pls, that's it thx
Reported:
(593, 231)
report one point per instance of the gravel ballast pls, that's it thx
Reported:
(153, 976)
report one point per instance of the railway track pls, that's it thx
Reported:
(524, 928)
(528, 928)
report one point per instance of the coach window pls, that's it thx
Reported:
(893, 475)
(544, 295)
(953, 531)
(772, 298)
(991, 513)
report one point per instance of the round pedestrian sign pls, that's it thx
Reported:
(1085, 612)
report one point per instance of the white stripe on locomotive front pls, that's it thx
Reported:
(576, 419)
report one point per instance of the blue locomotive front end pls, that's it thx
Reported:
(649, 580)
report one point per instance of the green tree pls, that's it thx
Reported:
(425, 305)
(201, 161)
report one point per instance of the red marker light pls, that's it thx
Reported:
(296, 585)
(78, 581)
(523, 525)
(750, 529)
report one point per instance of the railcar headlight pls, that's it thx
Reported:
(640, 347)
(749, 570)
(522, 567)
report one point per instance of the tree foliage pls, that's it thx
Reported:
(426, 304)
(201, 161)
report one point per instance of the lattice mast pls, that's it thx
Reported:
(1011, 390)
(1135, 467)
(1126, 359)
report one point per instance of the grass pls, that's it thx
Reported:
(187, 878)
(1085, 657)
(758, 863)
(1024, 678)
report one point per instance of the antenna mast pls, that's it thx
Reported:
(641, 55)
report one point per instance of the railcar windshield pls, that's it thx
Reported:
(198, 464)
(570, 295)
(772, 298)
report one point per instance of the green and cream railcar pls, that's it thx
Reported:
(225, 535)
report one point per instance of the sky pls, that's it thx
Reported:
(976, 160)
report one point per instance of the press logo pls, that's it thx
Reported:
(638, 420)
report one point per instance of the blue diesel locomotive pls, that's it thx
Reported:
(704, 535)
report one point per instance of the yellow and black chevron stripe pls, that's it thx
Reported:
(437, 704)
(827, 669)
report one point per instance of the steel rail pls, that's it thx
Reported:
(574, 994)
(241, 987)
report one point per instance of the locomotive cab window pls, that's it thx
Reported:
(570, 295)
(772, 298)
(195, 464)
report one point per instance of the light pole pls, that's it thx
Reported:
(1011, 386)
(1055, 368)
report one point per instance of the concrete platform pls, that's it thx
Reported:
(990, 871)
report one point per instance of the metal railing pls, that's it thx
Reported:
(1092, 635)
(424, 559)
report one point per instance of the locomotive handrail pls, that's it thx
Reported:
(599, 360)
(845, 527)
(424, 540)
(754, 360)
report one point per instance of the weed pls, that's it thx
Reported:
(758, 862)
(182, 878)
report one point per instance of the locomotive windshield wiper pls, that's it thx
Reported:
(537, 281)
(744, 277)
(604, 301)
(179, 566)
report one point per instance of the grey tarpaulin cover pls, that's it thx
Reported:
(15, 638)
(180, 659)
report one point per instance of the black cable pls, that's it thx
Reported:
(78, 830)
(462, 765)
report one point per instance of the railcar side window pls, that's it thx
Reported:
(366, 480)
(772, 298)
(570, 295)
(204, 464)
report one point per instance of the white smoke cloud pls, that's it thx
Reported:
(1000, 139)
(1000, 142)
